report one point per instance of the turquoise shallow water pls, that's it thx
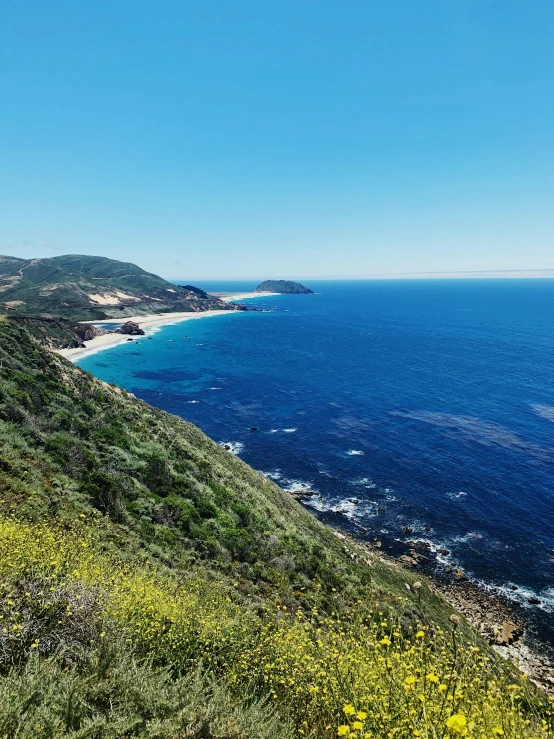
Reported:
(430, 402)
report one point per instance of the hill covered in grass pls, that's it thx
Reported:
(83, 288)
(153, 585)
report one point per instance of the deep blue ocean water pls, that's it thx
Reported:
(431, 402)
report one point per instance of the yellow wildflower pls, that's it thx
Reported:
(497, 731)
(343, 730)
(420, 635)
(349, 709)
(386, 642)
(357, 725)
(457, 724)
(432, 677)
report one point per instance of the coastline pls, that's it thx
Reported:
(491, 615)
(228, 297)
(499, 620)
(148, 321)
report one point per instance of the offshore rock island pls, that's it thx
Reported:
(283, 287)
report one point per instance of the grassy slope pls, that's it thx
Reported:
(228, 554)
(60, 286)
(159, 478)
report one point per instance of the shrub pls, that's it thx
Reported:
(109, 694)
(70, 454)
(105, 493)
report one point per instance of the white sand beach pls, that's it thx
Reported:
(148, 321)
(227, 297)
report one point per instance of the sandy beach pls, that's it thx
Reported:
(148, 321)
(227, 297)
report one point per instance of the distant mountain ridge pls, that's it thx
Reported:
(284, 287)
(80, 288)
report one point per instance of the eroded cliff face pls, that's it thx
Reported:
(56, 333)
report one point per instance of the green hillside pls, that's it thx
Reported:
(153, 585)
(84, 288)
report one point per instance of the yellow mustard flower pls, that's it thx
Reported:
(349, 709)
(343, 730)
(457, 724)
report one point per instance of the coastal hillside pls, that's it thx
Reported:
(154, 585)
(284, 287)
(81, 288)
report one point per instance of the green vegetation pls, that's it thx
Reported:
(153, 585)
(54, 333)
(81, 288)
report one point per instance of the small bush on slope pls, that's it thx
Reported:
(108, 694)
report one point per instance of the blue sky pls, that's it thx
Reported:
(232, 139)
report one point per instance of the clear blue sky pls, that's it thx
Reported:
(253, 138)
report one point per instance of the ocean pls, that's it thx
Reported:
(414, 409)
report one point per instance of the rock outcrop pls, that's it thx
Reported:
(86, 332)
(284, 287)
(131, 328)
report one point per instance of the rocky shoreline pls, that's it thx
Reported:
(503, 625)
(501, 621)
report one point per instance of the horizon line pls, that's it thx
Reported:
(466, 274)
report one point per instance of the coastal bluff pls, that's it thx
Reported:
(283, 287)
(126, 532)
